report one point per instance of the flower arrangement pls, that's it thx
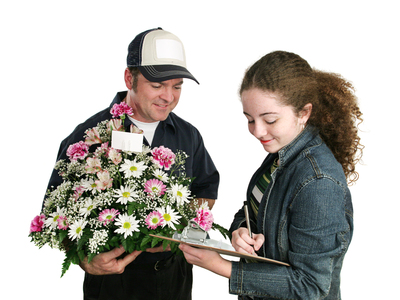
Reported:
(111, 197)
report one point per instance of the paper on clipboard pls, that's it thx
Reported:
(213, 246)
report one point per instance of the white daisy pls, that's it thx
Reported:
(180, 194)
(89, 185)
(133, 168)
(161, 175)
(76, 229)
(170, 216)
(127, 225)
(125, 194)
(87, 207)
(52, 221)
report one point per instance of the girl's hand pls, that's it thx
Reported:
(242, 242)
(207, 259)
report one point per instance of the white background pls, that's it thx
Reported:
(62, 61)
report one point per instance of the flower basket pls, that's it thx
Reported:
(112, 197)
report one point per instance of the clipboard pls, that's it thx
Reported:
(223, 251)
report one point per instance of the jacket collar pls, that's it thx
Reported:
(305, 139)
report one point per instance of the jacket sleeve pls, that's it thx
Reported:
(318, 231)
(206, 182)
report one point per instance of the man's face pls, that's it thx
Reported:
(153, 101)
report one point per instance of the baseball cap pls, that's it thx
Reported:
(159, 55)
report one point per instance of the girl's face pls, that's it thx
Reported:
(272, 124)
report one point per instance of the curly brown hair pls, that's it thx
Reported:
(335, 110)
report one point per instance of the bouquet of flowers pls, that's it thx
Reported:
(112, 197)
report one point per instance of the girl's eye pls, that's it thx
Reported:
(270, 123)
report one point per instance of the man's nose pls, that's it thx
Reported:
(168, 95)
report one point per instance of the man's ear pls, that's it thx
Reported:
(128, 79)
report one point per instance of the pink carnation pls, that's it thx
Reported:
(204, 218)
(164, 157)
(120, 109)
(77, 151)
(37, 223)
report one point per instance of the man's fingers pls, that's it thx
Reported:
(123, 262)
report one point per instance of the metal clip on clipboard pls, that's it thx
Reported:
(194, 234)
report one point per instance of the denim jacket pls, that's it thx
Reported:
(306, 216)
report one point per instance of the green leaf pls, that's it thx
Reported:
(91, 256)
(155, 241)
(165, 244)
(62, 235)
(144, 242)
(65, 266)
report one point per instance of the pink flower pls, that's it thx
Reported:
(78, 192)
(135, 129)
(116, 124)
(119, 110)
(115, 156)
(37, 223)
(105, 181)
(93, 136)
(93, 165)
(77, 151)
(154, 219)
(108, 215)
(62, 223)
(204, 218)
(155, 187)
(164, 157)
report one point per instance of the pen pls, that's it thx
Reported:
(246, 213)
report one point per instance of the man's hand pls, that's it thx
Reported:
(107, 263)
(158, 249)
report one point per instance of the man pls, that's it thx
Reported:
(156, 66)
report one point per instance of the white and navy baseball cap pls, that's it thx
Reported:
(159, 55)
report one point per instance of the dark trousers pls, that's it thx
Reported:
(166, 280)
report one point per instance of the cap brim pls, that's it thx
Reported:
(158, 73)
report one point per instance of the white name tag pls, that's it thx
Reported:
(127, 141)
